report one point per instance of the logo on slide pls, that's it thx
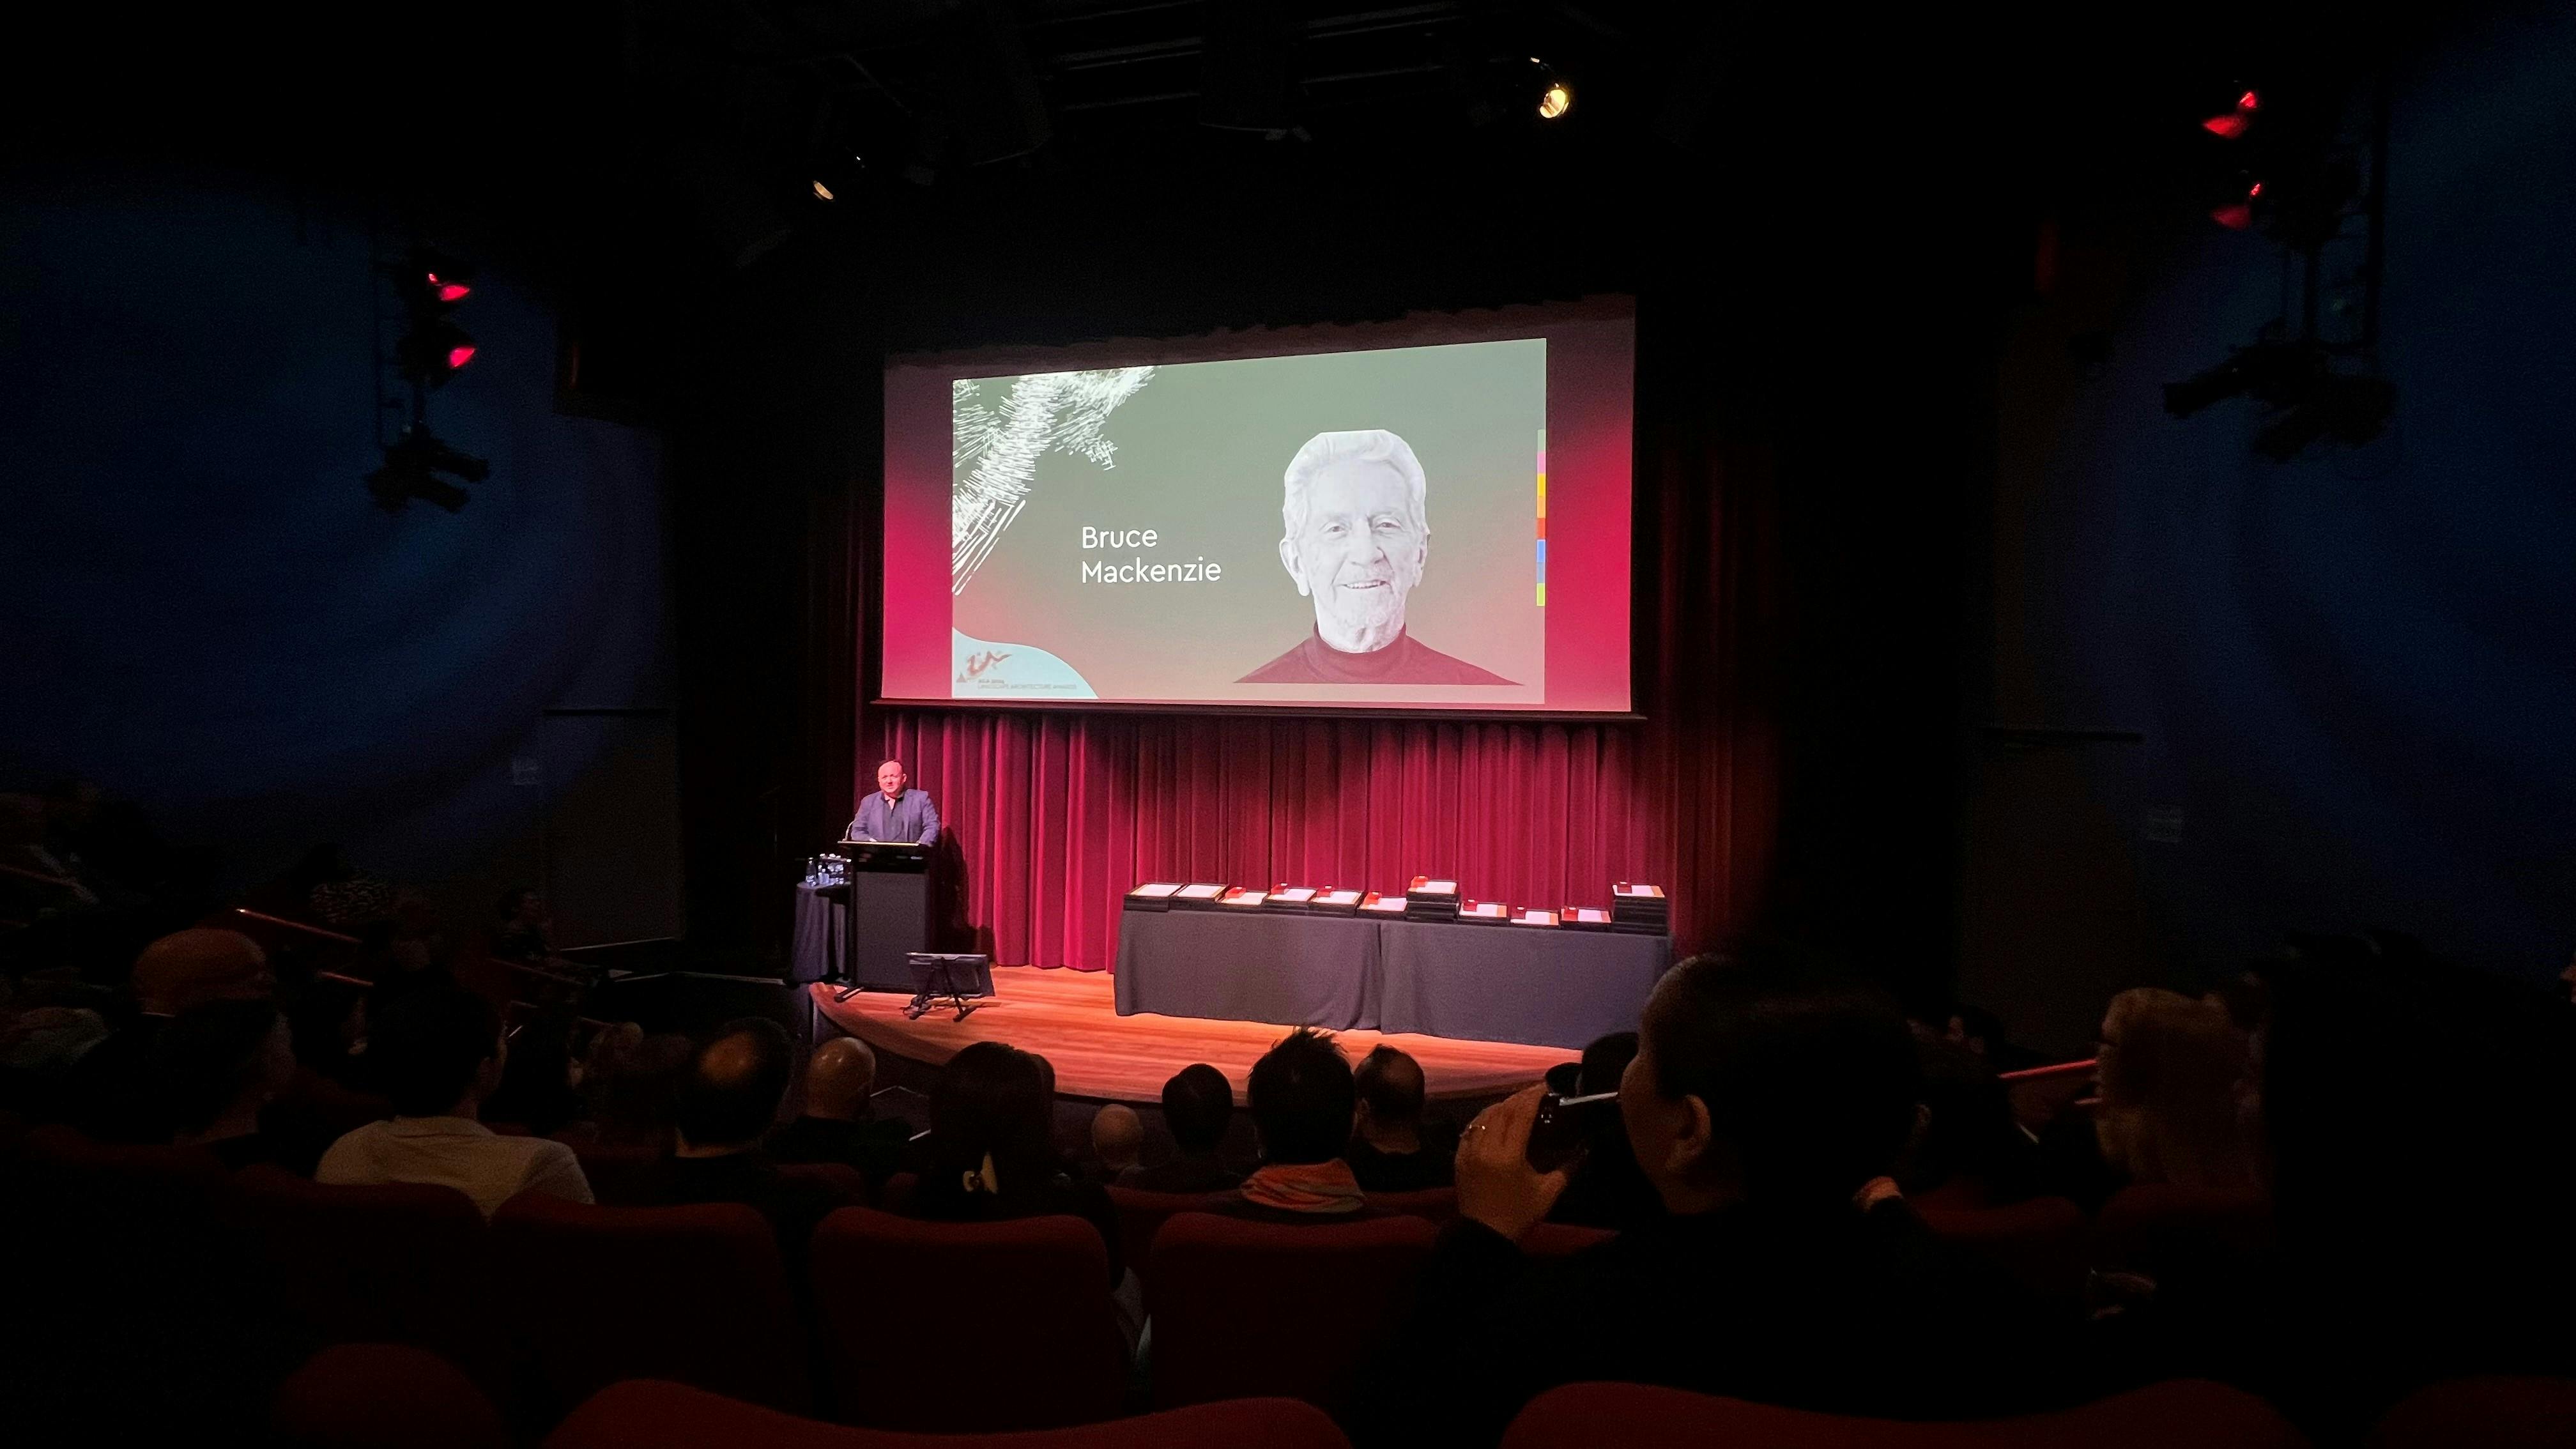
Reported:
(984, 667)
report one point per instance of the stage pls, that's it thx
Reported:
(1071, 1018)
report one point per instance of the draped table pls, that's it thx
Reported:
(1289, 968)
(1540, 986)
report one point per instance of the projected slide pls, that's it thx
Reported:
(1352, 527)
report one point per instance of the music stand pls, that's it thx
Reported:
(950, 975)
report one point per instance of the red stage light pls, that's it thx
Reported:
(2248, 101)
(459, 356)
(2227, 127)
(2235, 216)
(2254, 191)
(450, 291)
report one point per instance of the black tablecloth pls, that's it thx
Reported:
(1290, 968)
(1515, 983)
(822, 914)
(1487, 983)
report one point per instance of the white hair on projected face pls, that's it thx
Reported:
(1365, 445)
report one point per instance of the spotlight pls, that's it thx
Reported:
(1555, 97)
(411, 470)
(822, 192)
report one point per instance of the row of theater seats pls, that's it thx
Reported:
(373, 1396)
(553, 1300)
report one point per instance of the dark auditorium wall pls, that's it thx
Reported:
(2349, 677)
(204, 612)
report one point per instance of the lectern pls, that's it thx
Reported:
(889, 913)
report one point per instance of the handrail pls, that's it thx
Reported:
(294, 925)
(40, 877)
(2054, 1069)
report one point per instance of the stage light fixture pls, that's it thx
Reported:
(822, 192)
(411, 471)
(434, 349)
(1555, 96)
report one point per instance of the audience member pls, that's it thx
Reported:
(1609, 1189)
(216, 1066)
(341, 895)
(110, 1090)
(537, 1088)
(839, 1125)
(438, 1053)
(629, 1083)
(521, 927)
(2170, 1070)
(990, 1157)
(2420, 1114)
(1303, 1103)
(38, 1049)
(1117, 1142)
(1198, 1102)
(329, 1023)
(1969, 1148)
(1760, 1104)
(1386, 1151)
(728, 1101)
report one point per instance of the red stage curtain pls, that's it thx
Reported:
(1058, 814)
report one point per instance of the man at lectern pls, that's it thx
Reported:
(894, 812)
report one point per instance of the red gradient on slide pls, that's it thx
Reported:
(1589, 385)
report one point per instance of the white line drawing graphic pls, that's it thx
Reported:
(1065, 412)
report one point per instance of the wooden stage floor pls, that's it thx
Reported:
(1071, 1018)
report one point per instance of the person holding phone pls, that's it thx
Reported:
(1766, 1108)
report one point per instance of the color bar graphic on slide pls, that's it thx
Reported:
(1542, 518)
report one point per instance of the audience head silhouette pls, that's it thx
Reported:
(1117, 1136)
(2170, 1068)
(731, 1095)
(217, 1063)
(1757, 1081)
(1605, 1061)
(189, 968)
(1198, 1102)
(1302, 1099)
(437, 1052)
(1388, 1084)
(988, 1120)
(839, 1078)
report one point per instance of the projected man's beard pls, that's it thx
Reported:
(1358, 555)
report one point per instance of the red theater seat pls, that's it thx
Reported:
(1638, 1416)
(2157, 1228)
(2491, 1413)
(693, 1294)
(1142, 1214)
(384, 1396)
(648, 1415)
(1439, 1204)
(1002, 1325)
(620, 1176)
(1559, 1240)
(394, 1263)
(897, 1195)
(847, 1185)
(64, 1160)
(2041, 1243)
(1246, 1309)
